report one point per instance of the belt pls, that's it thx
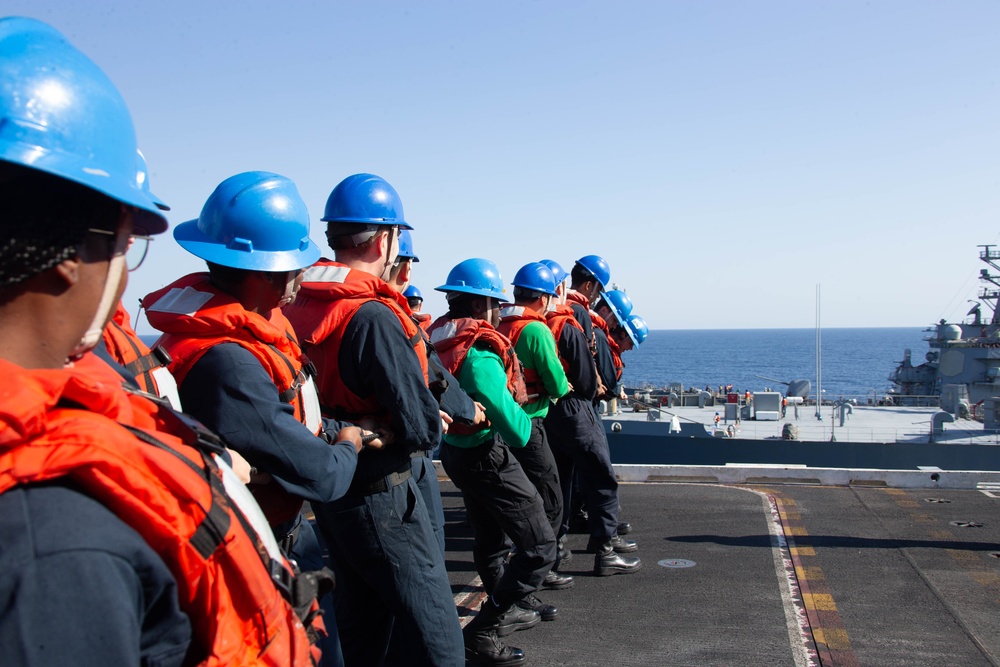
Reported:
(390, 481)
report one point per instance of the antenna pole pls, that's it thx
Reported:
(819, 357)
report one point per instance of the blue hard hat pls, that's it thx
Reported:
(597, 267)
(60, 114)
(406, 245)
(537, 277)
(637, 327)
(142, 177)
(365, 199)
(255, 221)
(557, 271)
(619, 303)
(475, 276)
(626, 327)
(412, 292)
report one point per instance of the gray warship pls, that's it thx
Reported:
(962, 366)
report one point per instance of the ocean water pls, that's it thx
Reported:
(855, 361)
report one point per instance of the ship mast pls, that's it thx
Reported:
(990, 294)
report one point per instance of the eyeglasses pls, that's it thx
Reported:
(135, 252)
(138, 247)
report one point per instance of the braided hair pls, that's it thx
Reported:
(44, 219)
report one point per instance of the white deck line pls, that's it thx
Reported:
(800, 636)
(777, 474)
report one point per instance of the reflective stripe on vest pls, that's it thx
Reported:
(330, 296)
(453, 338)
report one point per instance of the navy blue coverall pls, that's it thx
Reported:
(389, 564)
(578, 441)
(229, 391)
(59, 544)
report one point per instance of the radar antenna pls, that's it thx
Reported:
(989, 293)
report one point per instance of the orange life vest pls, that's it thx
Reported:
(160, 477)
(599, 322)
(127, 348)
(557, 319)
(616, 356)
(423, 320)
(513, 319)
(616, 351)
(576, 297)
(195, 316)
(331, 294)
(572, 296)
(453, 338)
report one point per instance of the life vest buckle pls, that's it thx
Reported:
(162, 355)
(283, 578)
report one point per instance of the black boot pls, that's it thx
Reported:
(624, 528)
(608, 562)
(485, 648)
(557, 582)
(619, 544)
(516, 618)
(546, 611)
(483, 645)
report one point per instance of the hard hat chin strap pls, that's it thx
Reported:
(292, 285)
(389, 259)
(105, 307)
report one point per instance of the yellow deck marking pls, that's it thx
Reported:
(810, 573)
(819, 601)
(834, 638)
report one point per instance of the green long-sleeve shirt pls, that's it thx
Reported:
(482, 377)
(536, 348)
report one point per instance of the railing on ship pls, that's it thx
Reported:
(816, 432)
(657, 398)
(829, 429)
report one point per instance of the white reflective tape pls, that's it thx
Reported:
(310, 406)
(185, 301)
(245, 501)
(444, 332)
(166, 386)
(326, 274)
(516, 311)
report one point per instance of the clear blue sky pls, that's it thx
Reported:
(724, 157)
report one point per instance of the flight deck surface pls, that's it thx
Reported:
(774, 575)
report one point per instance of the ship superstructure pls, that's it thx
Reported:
(960, 355)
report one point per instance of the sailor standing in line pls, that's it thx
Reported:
(631, 333)
(125, 538)
(416, 301)
(524, 324)
(239, 368)
(499, 499)
(453, 402)
(614, 307)
(577, 435)
(372, 370)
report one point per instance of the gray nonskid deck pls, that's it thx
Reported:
(687, 436)
(864, 424)
(879, 576)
